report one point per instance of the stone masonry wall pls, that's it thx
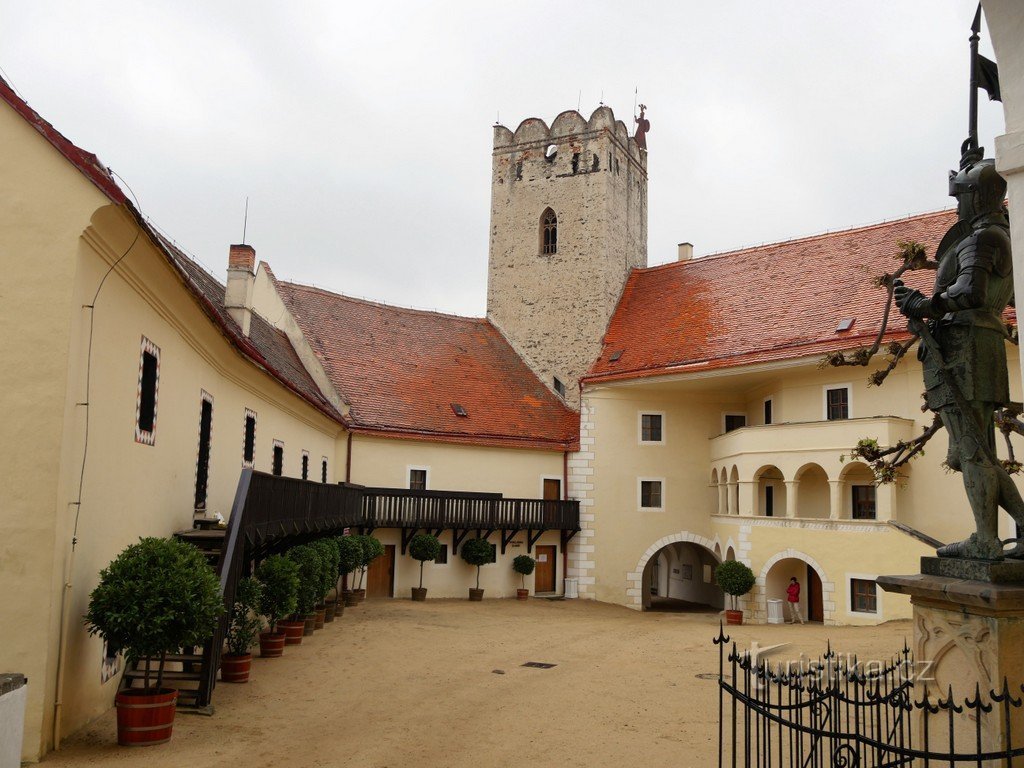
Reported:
(582, 564)
(555, 308)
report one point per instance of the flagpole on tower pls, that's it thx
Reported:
(972, 116)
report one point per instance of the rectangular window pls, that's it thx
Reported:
(863, 596)
(442, 556)
(769, 501)
(863, 507)
(650, 428)
(203, 458)
(417, 479)
(249, 439)
(650, 494)
(305, 465)
(735, 421)
(149, 386)
(837, 403)
(277, 465)
(768, 411)
(323, 470)
(559, 387)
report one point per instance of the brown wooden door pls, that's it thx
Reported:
(380, 576)
(815, 610)
(544, 575)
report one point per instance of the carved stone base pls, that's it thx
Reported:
(968, 635)
(991, 571)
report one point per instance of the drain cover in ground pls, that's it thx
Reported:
(539, 664)
(706, 675)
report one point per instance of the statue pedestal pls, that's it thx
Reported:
(968, 637)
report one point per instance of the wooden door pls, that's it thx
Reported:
(815, 610)
(547, 566)
(380, 576)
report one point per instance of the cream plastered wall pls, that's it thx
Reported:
(46, 206)
(132, 489)
(515, 473)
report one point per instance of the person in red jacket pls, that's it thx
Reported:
(793, 596)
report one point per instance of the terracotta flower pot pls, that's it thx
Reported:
(419, 594)
(476, 595)
(733, 617)
(309, 624)
(319, 617)
(271, 644)
(235, 669)
(349, 597)
(360, 594)
(293, 631)
(522, 594)
(145, 717)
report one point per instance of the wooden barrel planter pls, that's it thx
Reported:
(271, 644)
(360, 594)
(308, 624)
(419, 594)
(476, 595)
(145, 718)
(235, 669)
(339, 609)
(329, 612)
(522, 594)
(293, 631)
(349, 597)
(319, 617)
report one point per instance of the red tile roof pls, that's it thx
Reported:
(401, 370)
(770, 303)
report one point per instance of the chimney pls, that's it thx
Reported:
(241, 279)
(685, 251)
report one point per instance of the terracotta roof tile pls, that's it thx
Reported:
(774, 302)
(401, 370)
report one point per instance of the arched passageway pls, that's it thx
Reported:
(778, 579)
(680, 577)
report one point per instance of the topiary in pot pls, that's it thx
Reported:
(351, 555)
(736, 580)
(523, 565)
(310, 567)
(423, 547)
(154, 598)
(279, 578)
(245, 624)
(477, 552)
(328, 552)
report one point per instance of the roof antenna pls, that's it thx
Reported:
(602, 97)
(245, 221)
(579, 100)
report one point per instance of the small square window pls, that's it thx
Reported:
(417, 479)
(735, 421)
(650, 494)
(863, 596)
(650, 428)
(249, 439)
(863, 502)
(277, 465)
(149, 386)
(837, 403)
(442, 556)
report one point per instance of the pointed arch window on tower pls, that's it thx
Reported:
(548, 232)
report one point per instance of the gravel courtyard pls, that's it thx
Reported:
(395, 683)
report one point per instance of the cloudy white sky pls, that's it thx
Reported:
(361, 132)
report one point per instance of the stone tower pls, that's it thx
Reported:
(568, 223)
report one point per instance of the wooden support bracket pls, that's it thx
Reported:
(506, 538)
(457, 539)
(407, 534)
(567, 536)
(532, 536)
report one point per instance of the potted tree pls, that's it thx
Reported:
(310, 568)
(328, 552)
(279, 578)
(351, 555)
(523, 565)
(735, 579)
(154, 598)
(477, 552)
(242, 630)
(372, 549)
(423, 547)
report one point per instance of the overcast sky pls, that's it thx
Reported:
(361, 132)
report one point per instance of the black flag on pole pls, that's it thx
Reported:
(988, 77)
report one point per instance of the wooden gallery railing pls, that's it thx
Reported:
(270, 514)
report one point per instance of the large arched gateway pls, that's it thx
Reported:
(677, 574)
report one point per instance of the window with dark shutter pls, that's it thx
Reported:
(203, 458)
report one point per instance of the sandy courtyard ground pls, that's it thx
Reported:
(396, 683)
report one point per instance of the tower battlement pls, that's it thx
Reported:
(568, 223)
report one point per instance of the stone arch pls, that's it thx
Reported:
(854, 475)
(634, 580)
(813, 498)
(733, 494)
(760, 594)
(770, 491)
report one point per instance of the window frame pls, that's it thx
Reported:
(826, 388)
(304, 467)
(250, 462)
(768, 411)
(147, 436)
(323, 470)
(725, 419)
(561, 486)
(851, 603)
(442, 551)
(204, 397)
(409, 469)
(274, 469)
(640, 427)
(548, 246)
(640, 494)
(853, 501)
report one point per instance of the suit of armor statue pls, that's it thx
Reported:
(963, 349)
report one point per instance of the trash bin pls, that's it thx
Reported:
(572, 589)
(13, 694)
(775, 615)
